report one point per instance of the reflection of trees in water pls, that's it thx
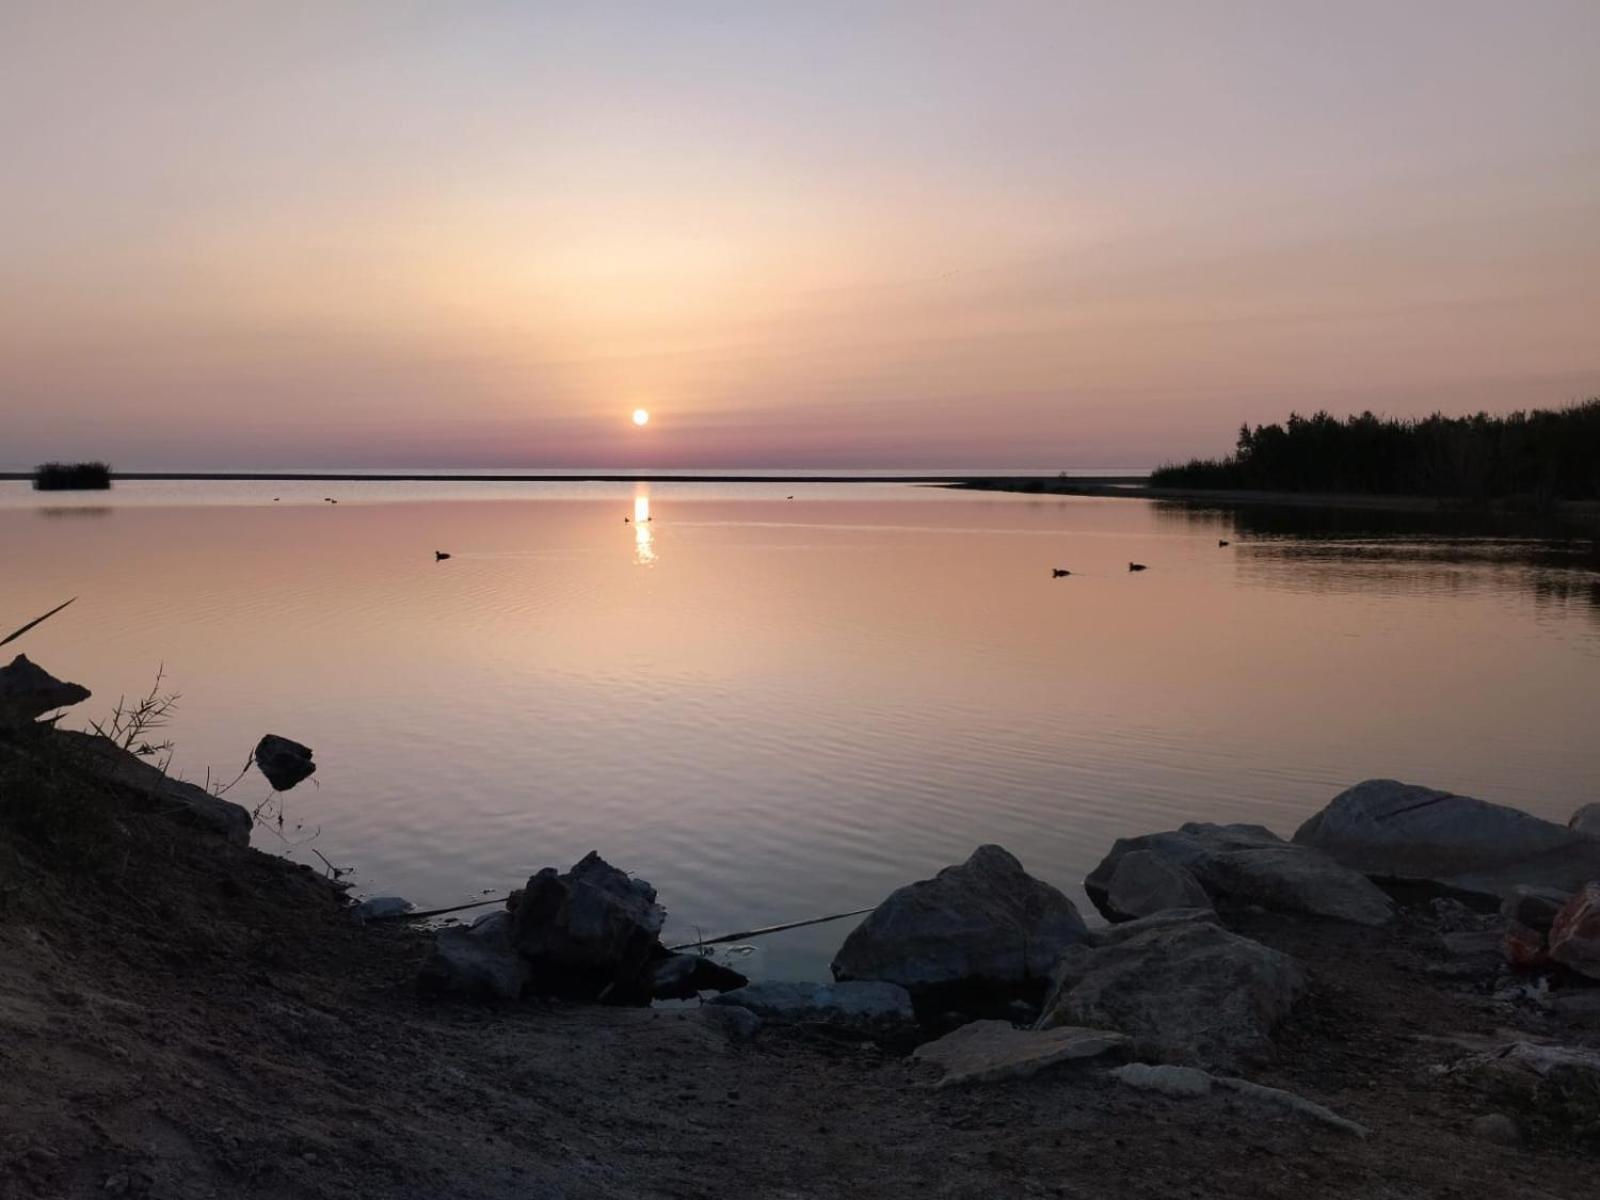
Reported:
(1412, 553)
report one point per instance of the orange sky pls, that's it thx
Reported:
(1046, 234)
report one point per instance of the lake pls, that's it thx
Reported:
(777, 708)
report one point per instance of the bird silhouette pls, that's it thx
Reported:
(440, 555)
(1137, 567)
(1222, 541)
(1058, 572)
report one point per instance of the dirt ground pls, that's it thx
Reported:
(184, 1019)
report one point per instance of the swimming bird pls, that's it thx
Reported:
(440, 555)
(625, 520)
(788, 497)
(1222, 541)
(1058, 572)
(1137, 567)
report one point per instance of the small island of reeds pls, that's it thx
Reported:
(69, 477)
(1544, 455)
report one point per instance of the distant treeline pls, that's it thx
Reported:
(62, 477)
(1546, 454)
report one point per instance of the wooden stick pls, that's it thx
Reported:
(750, 933)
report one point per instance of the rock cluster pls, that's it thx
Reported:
(28, 691)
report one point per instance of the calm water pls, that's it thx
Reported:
(777, 708)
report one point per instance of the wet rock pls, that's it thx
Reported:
(381, 908)
(283, 762)
(173, 798)
(1575, 933)
(864, 1003)
(1404, 832)
(680, 976)
(986, 1051)
(1586, 820)
(740, 1024)
(1188, 992)
(477, 962)
(589, 933)
(28, 691)
(984, 926)
(1496, 1127)
(1247, 864)
(1145, 882)
(1524, 947)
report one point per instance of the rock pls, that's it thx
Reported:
(1575, 933)
(1547, 1085)
(283, 762)
(477, 962)
(679, 976)
(1188, 992)
(740, 1024)
(986, 1051)
(1496, 1127)
(1534, 907)
(175, 799)
(1404, 832)
(1186, 1082)
(1247, 864)
(1524, 947)
(1143, 882)
(1112, 935)
(590, 933)
(984, 926)
(28, 691)
(868, 1003)
(378, 908)
(1586, 820)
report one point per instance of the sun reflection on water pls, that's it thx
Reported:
(644, 551)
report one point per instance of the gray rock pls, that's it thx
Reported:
(680, 976)
(283, 762)
(1400, 831)
(1248, 864)
(1144, 882)
(591, 932)
(1188, 992)
(740, 1024)
(477, 962)
(867, 1003)
(986, 1051)
(1586, 820)
(1575, 933)
(1181, 1082)
(985, 924)
(380, 908)
(28, 691)
(175, 799)
(1112, 935)
(1496, 1127)
(1534, 907)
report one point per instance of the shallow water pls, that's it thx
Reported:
(776, 708)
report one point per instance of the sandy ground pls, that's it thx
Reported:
(179, 1018)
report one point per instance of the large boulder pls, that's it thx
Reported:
(1407, 833)
(985, 926)
(478, 962)
(154, 788)
(682, 976)
(860, 1003)
(590, 933)
(283, 762)
(1144, 882)
(28, 691)
(1586, 820)
(1187, 992)
(1246, 864)
(1575, 932)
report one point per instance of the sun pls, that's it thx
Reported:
(641, 416)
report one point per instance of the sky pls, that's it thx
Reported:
(1018, 234)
